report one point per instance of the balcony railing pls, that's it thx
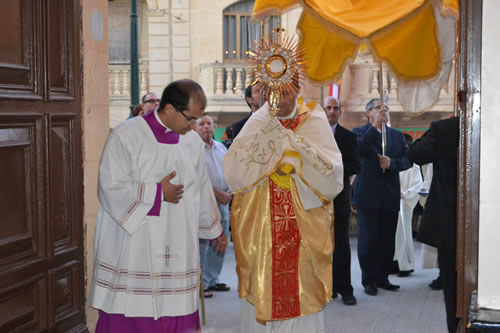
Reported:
(360, 84)
(227, 80)
(119, 80)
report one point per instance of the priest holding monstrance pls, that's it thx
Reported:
(284, 169)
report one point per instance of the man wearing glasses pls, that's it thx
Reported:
(376, 195)
(149, 102)
(155, 202)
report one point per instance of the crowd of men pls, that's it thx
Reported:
(165, 193)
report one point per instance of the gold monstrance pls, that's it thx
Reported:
(278, 66)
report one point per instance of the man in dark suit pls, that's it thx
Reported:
(376, 197)
(439, 146)
(252, 98)
(348, 146)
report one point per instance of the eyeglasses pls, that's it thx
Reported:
(190, 120)
(153, 100)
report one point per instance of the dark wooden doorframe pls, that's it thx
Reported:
(469, 93)
(42, 276)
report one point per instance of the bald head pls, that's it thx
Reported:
(332, 110)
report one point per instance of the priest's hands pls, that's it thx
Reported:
(220, 243)
(384, 161)
(379, 116)
(222, 197)
(171, 192)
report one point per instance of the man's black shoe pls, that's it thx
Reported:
(436, 284)
(219, 287)
(388, 286)
(371, 290)
(335, 294)
(405, 273)
(349, 299)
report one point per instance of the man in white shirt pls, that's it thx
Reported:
(155, 202)
(211, 260)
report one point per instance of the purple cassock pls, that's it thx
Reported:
(111, 323)
(114, 323)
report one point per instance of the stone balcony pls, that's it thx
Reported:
(119, 90)
(225, 84)
(360, 84)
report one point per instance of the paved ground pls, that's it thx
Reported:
(414, 309)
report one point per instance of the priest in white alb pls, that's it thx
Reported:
(411, 183)
(155, 202)
(285, 173)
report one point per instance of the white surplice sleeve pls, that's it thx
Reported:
(427, 170)
(209, 225)
(321, 166)
(256, 152)
(411, 183)
(124, 199)
(260, 147)
(255, 155)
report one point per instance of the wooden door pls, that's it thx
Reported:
(41, 238)
(469, 96)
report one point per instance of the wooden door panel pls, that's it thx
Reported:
(22, 282)
(12, 45)
(64, 286)
(20, 56)
(61, 203)
(20, 309)
(61, 41)
(18, 153)
(20, 194)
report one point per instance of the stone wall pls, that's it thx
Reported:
(169, 42)
(95, 121)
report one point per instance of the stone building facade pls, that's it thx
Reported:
(202, 40)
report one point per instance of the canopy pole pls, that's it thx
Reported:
(322, 96)
(134, 58)
(381, 90)
(261, 96)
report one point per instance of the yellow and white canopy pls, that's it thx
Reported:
(415, 38)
